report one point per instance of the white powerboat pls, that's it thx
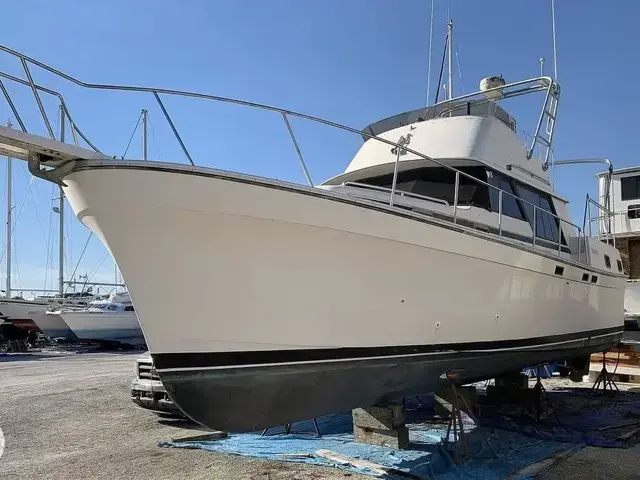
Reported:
(111, 321)
(51, 324)
(441, 252)
(20, 311)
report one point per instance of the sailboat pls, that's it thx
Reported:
(22, 312)
(441, 253)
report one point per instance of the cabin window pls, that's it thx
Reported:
(630, 187)
(510, 205)
(585, 277)
(607, 261)
(546, 226)
(439, 182)
(129, 308)
(619, 265)
(594, 279)
(633, 211)
(559, 270)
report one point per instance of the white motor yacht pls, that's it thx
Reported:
(112, 321)
(441, 252)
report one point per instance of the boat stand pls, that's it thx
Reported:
(604, 379)
(542, 400)
(287, 428)
(456, 427)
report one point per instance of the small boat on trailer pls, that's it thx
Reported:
(442, 248)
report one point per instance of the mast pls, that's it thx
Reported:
(450, 54)
(61, 213)
(9, 223)
(144, 134)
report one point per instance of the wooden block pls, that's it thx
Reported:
(397, 438)
(379, 416)
(377, 469)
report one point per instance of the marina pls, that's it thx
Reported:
(254, 282)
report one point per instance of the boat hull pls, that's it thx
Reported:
(52, 325)
(17, 313)
(256, 397)
(116, 327)
(273, 270)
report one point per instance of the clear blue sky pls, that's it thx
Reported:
(352, 61)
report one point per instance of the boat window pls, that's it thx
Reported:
(594, 279)
(619, 265)
(630, 187)
(559, 270)
(439, 182)
(585, 277)
(546, 226)
(510, 205)
(633, 211)
(607, 261)
(129, 308)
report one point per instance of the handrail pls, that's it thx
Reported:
(559, 220)
(401, 146)
(246, 103)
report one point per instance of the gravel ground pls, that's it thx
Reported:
(71, 417)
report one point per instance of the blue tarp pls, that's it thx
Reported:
(494, 453)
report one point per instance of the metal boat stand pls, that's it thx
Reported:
(287, 428)
(604, 379)
(456, 428)
(542, 400)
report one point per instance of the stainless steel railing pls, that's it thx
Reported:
(510, 90)
(454, 214)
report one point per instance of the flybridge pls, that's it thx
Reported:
(478, 102)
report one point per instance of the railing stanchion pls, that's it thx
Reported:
(38, 100)
(500, 212)
(173, 127)
(455, 197)
(295, 144)
(12, 106)
(395, 174)
(534, 225)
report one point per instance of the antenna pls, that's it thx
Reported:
(541, 60)
(429, 61)
(450, 54)
(553, 32)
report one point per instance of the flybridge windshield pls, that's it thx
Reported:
(449, 109)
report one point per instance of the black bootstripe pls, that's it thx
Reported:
(164, 361)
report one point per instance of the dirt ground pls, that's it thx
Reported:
(71, 417)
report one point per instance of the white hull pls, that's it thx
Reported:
(282, 269)
(19, 309)
(120, 327)
(52, 324)
(632, 298)
(268, 269)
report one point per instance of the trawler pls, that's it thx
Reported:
(441, 252)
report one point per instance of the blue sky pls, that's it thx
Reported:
(352, 61)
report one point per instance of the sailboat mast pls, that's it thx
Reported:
(61, 213)
(9, 222)
(450, 53)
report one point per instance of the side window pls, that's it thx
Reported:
(607, 261)
(630, 187)
(510, 206)
(619, 265)
(546, 226)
